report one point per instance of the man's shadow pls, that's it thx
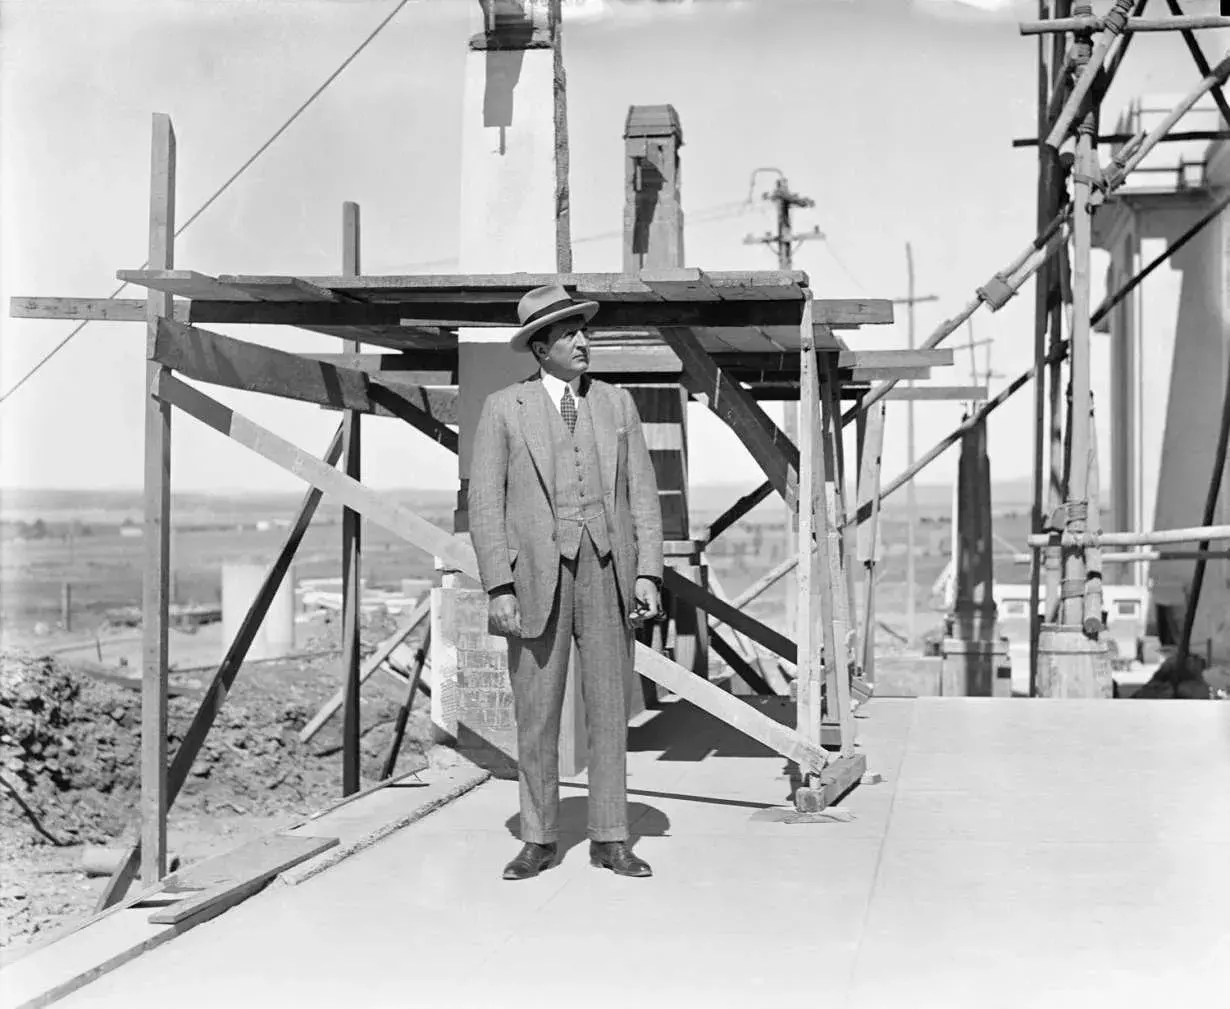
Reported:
(643, 821)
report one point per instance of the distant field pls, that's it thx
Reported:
(82, 545)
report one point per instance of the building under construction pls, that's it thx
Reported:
(891, 827)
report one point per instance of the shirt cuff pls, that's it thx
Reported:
(501, 590)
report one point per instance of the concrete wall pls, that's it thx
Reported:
(1169, 353)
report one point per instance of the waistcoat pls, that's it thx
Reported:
(578, 485)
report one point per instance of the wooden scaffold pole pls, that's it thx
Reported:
(352, 525)
(156, 582)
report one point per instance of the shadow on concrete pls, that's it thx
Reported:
(643, 821)
(681, 731)
(485, 753)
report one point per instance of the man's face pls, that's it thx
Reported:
(565, 352)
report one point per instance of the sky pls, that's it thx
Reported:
(895, 116)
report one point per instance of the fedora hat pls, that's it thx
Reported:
(543, 306)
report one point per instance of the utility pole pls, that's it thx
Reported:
(910, 300)
(783, 243)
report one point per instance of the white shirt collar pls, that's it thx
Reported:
(555, 387)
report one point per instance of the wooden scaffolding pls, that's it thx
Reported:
(729, 339)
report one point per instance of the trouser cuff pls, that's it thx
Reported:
(609, 834)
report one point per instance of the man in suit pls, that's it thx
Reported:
(567, 528)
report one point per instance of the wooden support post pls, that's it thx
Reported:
(420, 613)
(869, 530)
(790, 521)
(1093, 555)
(1051, 81)
(1073, 592)
(352, 586)
(156, 582)
(403, 713)
(813, 633)
(228, 670)
(837, 659)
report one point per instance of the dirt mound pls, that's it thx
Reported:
(69, 746)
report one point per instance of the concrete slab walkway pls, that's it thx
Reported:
(1019, 853)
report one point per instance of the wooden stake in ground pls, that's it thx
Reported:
(352, 586)
(156, 581)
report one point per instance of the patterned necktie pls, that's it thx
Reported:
(568, 409)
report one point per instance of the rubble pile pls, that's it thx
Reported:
(70, 748)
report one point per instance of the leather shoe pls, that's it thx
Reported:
(530, 861)
(618, 857)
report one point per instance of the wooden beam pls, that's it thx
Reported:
(352, 535)
(837, 660)
(721, 610)
(869, 530)
(228, 669)
(730, 655)
(223, 360)
(732, 710)
(737, 510)
(156, 579)
(661, 358)
(80, 309)
(184, 283)
(813, 629)
(771, 449)
(406, 367)
(956, 393)
(251, 868)
(459, 555)
(378, 658)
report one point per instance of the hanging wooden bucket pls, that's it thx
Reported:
(1072, 665)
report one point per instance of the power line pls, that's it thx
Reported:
(225, 185)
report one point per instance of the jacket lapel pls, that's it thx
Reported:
(605, 424)
(536, 429)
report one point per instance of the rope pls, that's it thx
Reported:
(225, 185)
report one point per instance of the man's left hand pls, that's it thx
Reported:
(648, 599)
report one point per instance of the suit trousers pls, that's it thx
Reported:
(587, 608)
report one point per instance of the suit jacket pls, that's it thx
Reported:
(512, 491)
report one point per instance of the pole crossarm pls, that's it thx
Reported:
(459, 556)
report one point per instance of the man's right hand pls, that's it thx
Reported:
(505, 615)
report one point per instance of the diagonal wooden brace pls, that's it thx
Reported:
(703, 377)
(223, 360)
(228, 670)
